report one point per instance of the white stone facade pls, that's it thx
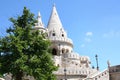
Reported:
(72, 66)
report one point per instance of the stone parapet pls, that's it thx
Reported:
(61, 39)
(73, 71)
(99, 75)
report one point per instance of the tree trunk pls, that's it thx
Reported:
(19, 76)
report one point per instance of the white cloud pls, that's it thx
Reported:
(111, 34)
(88, 39)
(83, 45)
(89, 33)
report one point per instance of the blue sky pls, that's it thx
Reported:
(93, 25)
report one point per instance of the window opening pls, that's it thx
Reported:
(54, 51)
(53, 34)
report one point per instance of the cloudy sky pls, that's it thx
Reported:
(93, 25)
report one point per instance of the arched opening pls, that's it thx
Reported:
(63, 50)
(62, 35)
(67, 51)
(58, 65)
(53, 34)
(54, 51)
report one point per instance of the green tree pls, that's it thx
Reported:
(24, 51)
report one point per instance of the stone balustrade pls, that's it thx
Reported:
(99, 76)
(72, 71)
(61, 39)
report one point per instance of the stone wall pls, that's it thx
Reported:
(114, 72)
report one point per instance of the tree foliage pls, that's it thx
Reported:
(24, 51)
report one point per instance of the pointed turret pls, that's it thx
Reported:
(39, 19)
(55, 25)
(57, 35)
(54, 21)
(39, 24)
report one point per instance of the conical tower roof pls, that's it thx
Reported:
(39, 24)
(54, 21)
(56, 32)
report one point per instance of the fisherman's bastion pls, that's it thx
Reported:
(72, 66)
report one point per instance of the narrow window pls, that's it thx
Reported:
(95, 78)
(63, 50)
(58, 65)
(54, 51)
(53, 34)
(62, 35)
(67, 50)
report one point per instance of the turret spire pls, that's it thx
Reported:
(39, 20)
(54, 4)
(54, 21)
(39, 14)
(39, 23)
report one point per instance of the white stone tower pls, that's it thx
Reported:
(72, 66)
(61, 44)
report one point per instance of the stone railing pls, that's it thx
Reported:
(72, 71)
(63, 39)
(56, 58)
(99, 76)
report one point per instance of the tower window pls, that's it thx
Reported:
(63, 50)
(67, 51)
(58, 65)
(54, 51)
(95, 78)
(62, 35)
(53, 34)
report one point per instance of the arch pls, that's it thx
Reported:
(63, 50)
(58, 65)
(67, 51)
(54, 51)
(95, 78)
(79, 72)
(62, 35)
(53, 34)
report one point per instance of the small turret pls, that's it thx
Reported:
(39, 20)
(108, 63)
(39, 25)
